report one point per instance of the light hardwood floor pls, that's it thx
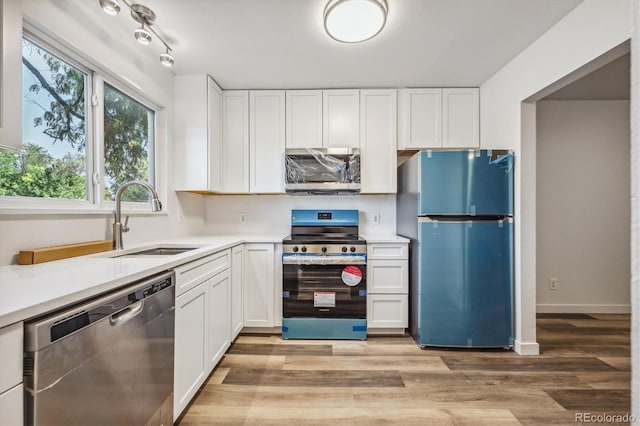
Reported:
(584, 367)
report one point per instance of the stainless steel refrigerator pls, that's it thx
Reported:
(457, 209)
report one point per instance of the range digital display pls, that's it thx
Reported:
(324, 216)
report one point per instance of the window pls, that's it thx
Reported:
(61, 158)
(128, 127)
(53, 161)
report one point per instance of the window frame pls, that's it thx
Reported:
(97, 76)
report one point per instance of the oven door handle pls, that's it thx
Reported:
(297, 259)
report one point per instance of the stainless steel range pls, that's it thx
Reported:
(324, 276)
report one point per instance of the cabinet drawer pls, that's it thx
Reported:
(388, 251)
(387, 276)
(11, 412)
(193, 273)
(11, 347)
(387, 310)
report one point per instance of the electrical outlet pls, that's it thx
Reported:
(553, 283)
(243, 218)
(376, 219)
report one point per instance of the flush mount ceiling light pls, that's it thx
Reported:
(146, 18)
(353, 21)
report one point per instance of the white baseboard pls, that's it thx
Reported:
(552, 308)
(386, 331)
(526, 348)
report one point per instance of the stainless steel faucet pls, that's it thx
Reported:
(118, 227)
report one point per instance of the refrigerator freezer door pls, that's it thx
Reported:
(465, 284)
(465, 183)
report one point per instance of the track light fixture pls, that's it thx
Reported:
(146, 18)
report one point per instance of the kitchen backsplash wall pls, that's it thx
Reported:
(271, 214)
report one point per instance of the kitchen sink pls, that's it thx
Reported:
(159, 251)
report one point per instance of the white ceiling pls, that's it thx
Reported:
(277, 44)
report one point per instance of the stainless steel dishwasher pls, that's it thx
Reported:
(108, 361)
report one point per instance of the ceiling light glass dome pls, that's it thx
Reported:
(354, 21)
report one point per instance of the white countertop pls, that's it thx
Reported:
(385, 238)
(27, 291)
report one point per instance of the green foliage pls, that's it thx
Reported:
(32, 172)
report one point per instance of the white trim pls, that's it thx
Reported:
(526, 348)
(552, 308)
(74, 212)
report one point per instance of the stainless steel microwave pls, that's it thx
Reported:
(322, 171)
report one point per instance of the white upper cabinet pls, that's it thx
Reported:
(266, 141)
(460, 118)
(11, 74)
(341, 118)
(378, 140)
(214, 126)
(235, 141)
(438, 118)
(304, 118)
(198, 133)
(420, 113)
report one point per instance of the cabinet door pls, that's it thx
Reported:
(219, 317)
(235, 141)
(190, 352)
(267, 141)
(237, 264)
(387, 276)
(258, 285)
(11, 348)
(214, 131)
(387, 310)
(11, 403)
(378, 144)
(420, 113)
(304, 118)
(340, 118)
(460, 118)
(11, 75)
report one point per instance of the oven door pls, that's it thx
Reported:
(324, 286)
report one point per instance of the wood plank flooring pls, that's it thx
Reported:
(584, 367)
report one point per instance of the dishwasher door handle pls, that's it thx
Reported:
(126, 314)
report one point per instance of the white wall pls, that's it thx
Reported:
(589, 31)
(271, 214)
(583, 214)
(82, 26)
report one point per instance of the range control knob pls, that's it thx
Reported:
(295, 249)
(344, 249)
(303, 249)
(353, 249)
(324, 249)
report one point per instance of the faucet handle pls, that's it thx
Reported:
(125, 228)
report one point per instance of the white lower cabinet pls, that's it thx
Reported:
(11, 406)
(219, 316)
(237, 265)
(258, 280)
(190, 359)
(202, 323)
(387, 310)
(387, 286)
(11, 394)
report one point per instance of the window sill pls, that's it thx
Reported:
(21, 211)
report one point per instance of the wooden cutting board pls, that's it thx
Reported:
(47, 254)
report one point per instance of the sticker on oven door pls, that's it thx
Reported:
(324, 299)
(351, 275)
